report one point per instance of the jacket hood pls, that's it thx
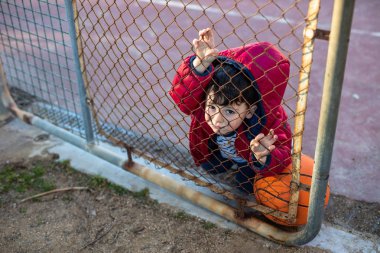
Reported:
(268, 68)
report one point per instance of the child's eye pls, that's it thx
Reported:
(230, 112)
(211, 108)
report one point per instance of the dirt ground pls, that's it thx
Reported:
(107, 218)
(103, 218)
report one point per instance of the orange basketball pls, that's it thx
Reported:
(274, 192)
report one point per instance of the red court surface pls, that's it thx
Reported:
(355, 168)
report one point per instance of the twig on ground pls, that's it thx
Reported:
(78, 188)
(99, 237)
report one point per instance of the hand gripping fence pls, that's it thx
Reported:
(91, 72)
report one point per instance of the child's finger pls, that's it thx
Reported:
(265, 152)
(256, 147)
(253, 143)
(203, 33)
(259, 137)
(209, 34)
(271, 138)
(196, 43)
(271, 148)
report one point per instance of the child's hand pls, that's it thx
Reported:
(205, 50)
(262, 145)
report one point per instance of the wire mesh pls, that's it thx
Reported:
(131, 51)
(37, 58)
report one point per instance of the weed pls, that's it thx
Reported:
(66, 166)
(38, 171)
(208, 225)
(143, 194)
(22, 180)
(97, 181)
(117, 189)
(66, 163)
(181, 215)
(43, 185)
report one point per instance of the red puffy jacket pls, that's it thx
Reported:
(269, 70)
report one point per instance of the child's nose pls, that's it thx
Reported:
(218, 119)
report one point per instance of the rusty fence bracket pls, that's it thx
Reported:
(322, 34)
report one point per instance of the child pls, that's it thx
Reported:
(234, 98)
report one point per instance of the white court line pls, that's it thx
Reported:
(198, 7)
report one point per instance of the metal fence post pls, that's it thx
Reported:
(86, 114)
(4, 113)
(336, 61)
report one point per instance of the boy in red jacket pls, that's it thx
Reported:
(238, 125)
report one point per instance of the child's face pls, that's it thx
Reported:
(225, 119)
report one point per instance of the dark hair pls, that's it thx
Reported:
(231, 85)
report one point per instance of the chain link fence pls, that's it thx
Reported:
(37, 58)
(129, 53)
